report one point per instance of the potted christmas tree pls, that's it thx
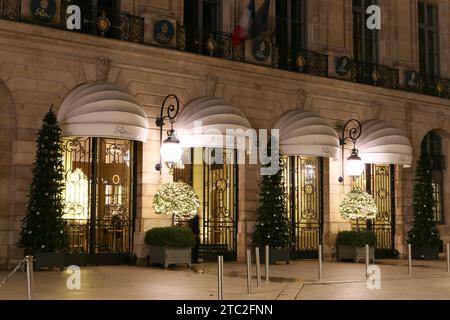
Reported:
(272, 226)
(424, 236)
(43, 233)
(357, 205)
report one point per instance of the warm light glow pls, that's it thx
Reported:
(76, 197)
(171, 151)
(355, 166)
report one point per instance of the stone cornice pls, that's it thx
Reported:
(33, 39)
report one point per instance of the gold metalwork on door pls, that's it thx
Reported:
(98, 195)
(303, 183)
(378, 180)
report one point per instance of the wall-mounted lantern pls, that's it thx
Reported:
(170, 149)
(355, 167)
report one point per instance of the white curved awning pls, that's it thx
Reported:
(307, 134)
(101, 109)
(382, 143)
(210, 122)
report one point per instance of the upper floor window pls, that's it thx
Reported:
(291, 28)
(428, 38)
(365, 41)
(203, 14)
(432, 145)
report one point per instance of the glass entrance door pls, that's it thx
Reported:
(99, 199)
(303, 183)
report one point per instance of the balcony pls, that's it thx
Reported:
(208, 43)
(375, 74)
(302, 61)
(10, 9)
(96, 21)
(107, 23)
(430, 85)
(124, 26)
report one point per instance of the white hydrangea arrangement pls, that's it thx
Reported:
(176, 198)
(358, 205)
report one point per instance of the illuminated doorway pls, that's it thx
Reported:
(379, 181)
(99, 195)
(216, 186)
(304, 193)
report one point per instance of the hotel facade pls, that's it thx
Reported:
(315, 67)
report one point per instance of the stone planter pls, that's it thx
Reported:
(48, 260)
(345, 252)
(275, 255)
(424, 253)
(170, 255)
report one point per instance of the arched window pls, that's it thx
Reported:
(432, 145)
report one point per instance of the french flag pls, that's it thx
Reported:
(251, 24)
(245, 24)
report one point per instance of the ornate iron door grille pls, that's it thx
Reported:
(220, 207)
(99, 199)
(304, 185)
(379, 181)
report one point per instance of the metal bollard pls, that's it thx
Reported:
(30, 279)
(409, 259)
(367, 260)
(220, 277)
(258, 267)
(320, 261)
(267, 263)
(249, 272)
(448, 257)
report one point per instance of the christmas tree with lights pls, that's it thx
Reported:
(43, 228)
(424, 233)
(272, 227)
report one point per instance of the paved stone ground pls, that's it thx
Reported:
(297, 280)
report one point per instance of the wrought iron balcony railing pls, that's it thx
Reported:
(121, 25)
(10, 9)
(303, 61)
(208, 43)
(375, 74)
(107, 23)
(430, 85)
(98, 21)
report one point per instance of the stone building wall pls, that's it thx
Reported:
(40, 66)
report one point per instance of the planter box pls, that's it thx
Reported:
(275, 255)
(424, 253)
(169, 255)
(355, 253)
(48, 260)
